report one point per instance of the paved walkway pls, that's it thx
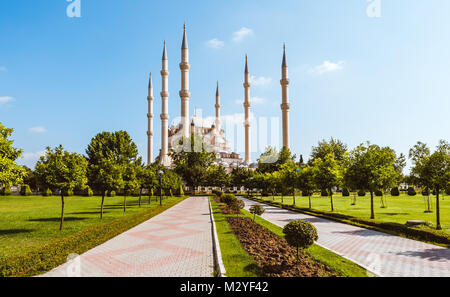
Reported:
(175, 243)
(380, 253)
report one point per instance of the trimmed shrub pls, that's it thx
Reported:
(228, 199)
(300, 234)
(6, 191)
(361, 193)
(447, 189)
(324, 193)
(181, 191)
(47, 193)
(111, 193)
(395, 192)
(88, 192)
(345, 192)
(68, 193)
(411, 191)
(425, 192)
(257, 209)
(306, 193)
(237, 205)
(378, 193)
(25, 190)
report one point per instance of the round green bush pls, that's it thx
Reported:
(425, 192)
(411, 191)
(257, 209)
(300, 234)
(345, 192)
(47, 193)
(324, 193)
(68, 193)
(228, 199)
(378, 193)
(181, 191)
(112, 194)
(88, 192)
(25, 190)
(361, 193)
(6, 191)
(395, 192)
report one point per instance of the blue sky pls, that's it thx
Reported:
(353, 77)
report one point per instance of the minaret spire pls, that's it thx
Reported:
(150, 121)
(184, 92)
(285, 107)
(164, 154)
(217, 108)
(247, 113)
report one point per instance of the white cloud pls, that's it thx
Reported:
(241, 34)
(327, 66)
(253, 100)
(260, 81)
(38, 129)
(3, 68)
(5, 99)
(215, 43)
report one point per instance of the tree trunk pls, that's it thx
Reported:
(62, 213)
(294, 196)
(331, 199)
(438, 219)
(140, 196)
(372, 212)
(101, 207)
(125, 201)
(309, 201)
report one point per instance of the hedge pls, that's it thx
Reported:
(25, 190)
(54, 254)
(431, 236)
(6, 192)
(395, 192)
(345, 192)
(361, 193)
(411, 191)
(47, 193)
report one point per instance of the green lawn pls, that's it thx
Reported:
(400, 209)
(28, 223)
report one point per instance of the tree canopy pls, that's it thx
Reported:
(10, 172)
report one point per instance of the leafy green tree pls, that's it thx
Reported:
(239, 176)
(300, 234)
(271, 160)
(147, 179)
(370, 167)
(191, 159)
(62, 170)
(324, 148)
(217, 177)
(30, 178)
(327, 174)
(306, 182)
(10, 172)
(130, 182)
(289, 176)
(434, 170)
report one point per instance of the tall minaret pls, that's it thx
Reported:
(184, 93)
(285, 99)
(217, 109)
(164, 159)
(247, 113)
(150, 122)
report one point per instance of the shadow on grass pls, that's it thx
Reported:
(88, 212)
(57, 219)
(14, 231)
(394, 213)
(254, 268)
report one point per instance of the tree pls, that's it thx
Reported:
(30, 178)
(10, 172)
(289, 176)
(147, 179)
(370, 167)
(62, 170)
(271, 161)
(256, 209)
(217, 177)
(434, 170)
(324, 148)
(327, 174)
(130, 182)
(191, 160)
(300, 234)
(305, 182)
(239, 176)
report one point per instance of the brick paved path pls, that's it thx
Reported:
(381, 253)
(175, 243)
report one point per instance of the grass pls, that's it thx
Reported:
(30, 223)
(341, 265)
(400, 209)
(237, 262)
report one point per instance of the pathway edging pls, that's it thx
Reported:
(216, 246)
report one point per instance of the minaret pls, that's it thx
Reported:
(247, 113)
(150, 122)
(164, 158)
(217, 108)
(285, 99)
(184, 93)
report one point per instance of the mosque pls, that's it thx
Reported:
(213, 135)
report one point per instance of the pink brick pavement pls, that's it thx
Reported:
(381, 253)
(175, 243)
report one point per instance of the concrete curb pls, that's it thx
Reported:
(218, 263)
